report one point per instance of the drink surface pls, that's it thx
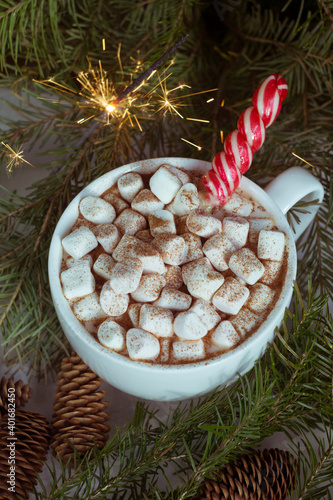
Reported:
(153, 277)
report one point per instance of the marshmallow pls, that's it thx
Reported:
(237, 205)
(144, 235)
(172, 248)
(182, 176)
(156, 320)
(104, 265)
(165, 345)
(256, 225)
(188, 350)
(126, 275)
(231, 296)
(244, 321)
(130, 222)
(188, 326)
(118, 203)
(206, 313)
(134, 314)
(164, 184)
(146, 202)
(161, 221)
(186, 200)
(174, 300)
(129, 185)
(272, 271)
(181, 224)
(113, 303)
(130, 247)
(203, 225)
(108, 236)
(86, 259)
(194, 247)
(246, 265)
(111, 335)
(225, 336)
(79, 242)
(77, 281)
(219, 249)
(260, 298)
(97, 210)
(149, 288)
(142, 345)
(236, 230)
(173, 276)
(88, 308)
(271, 245)
(203, 282)
(187, 269)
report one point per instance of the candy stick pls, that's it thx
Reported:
(229, 165)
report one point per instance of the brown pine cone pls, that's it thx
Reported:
(262, 475)
(79, 417)
(23, 392)
(29, 451)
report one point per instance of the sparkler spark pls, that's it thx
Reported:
(15, 158)
(302, 159)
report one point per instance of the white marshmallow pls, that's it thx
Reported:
(186, 200)
(79, 242)
(187, 269)
(194, 247)
(165, 350)
(203, 225)
(246, 265)
(142, 345)
(77, 281)
(130, 247)
(260, 298)
(134, 314)
(244, 321)
(203, 282)
(113, 303)
(219, 249)
(97, 210)
(130, 222)
(164, 184)
(206, 313)
(231, 297)
(156, 320)
(129, 185)
(272, 271)
(161, 221)
(172, 248)
(256, 225)
(144, 235)
(173, 276)
(89, 308)
(118, 203)
(182, 176)
(126, 275)
(111, 335)
(146, 202)
(225, 335)
(236, 230)
(238, 205)
(86, 259)
(188, 326)
(188, 350)
(104, 265)
(174, 300)
(271, 245)
(149, 288)
(108, 236)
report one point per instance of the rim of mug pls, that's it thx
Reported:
(97, 187)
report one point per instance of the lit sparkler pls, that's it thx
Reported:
(15, 158)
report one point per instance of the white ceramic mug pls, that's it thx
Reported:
(175, 382)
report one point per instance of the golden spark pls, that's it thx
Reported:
(15, 158)
(302, 159)
(199, 148)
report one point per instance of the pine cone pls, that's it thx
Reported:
(263, 475)
(23, 392)
(79, 416)
(29, 450)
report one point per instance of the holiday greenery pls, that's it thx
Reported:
(232, 46)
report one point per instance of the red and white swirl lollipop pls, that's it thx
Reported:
(229, 165)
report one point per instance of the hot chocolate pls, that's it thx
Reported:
(152, 278)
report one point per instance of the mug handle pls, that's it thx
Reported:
(293, 185)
